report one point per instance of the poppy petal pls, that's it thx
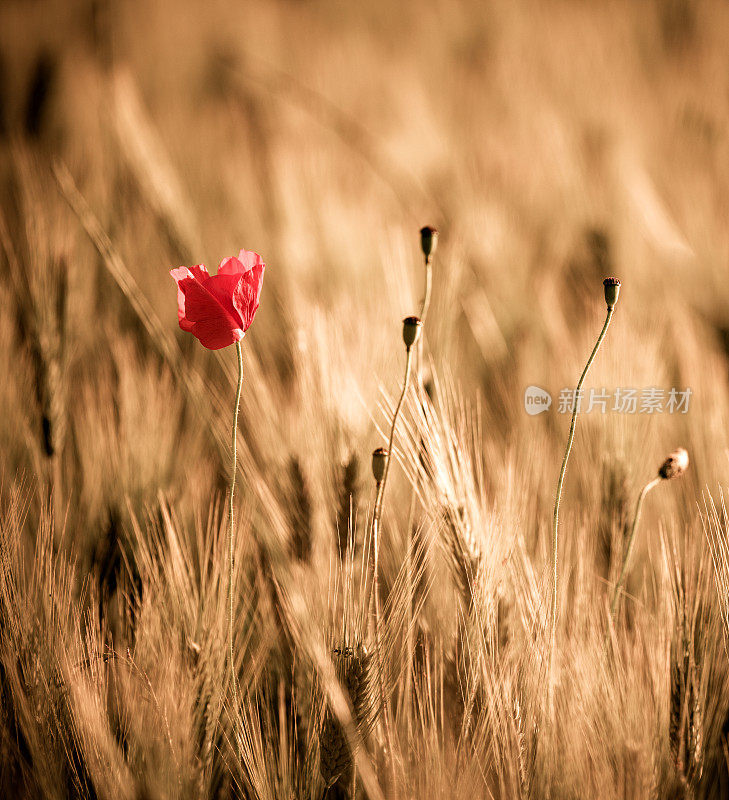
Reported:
(224, 288)
(216, 334)
(218, 309)
(247, 294)
(211, 322)
(245, 261)
(230, 266)
(249, 259)
(198, 272)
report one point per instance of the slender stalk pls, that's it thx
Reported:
(378, 630)
(563, 470)
(424, 306)
(231, 557)
(631, 539)
(379, 500)
(428, 288)
(406, 699)
(409, 643)
(406, 384)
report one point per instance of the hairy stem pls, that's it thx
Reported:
(555, 521)
(428, 288)
(409, 643)
(631, 539)
(383, 485)
(231, 557)
(424, 306)
(376, 518)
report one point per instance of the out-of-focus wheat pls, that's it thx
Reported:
(327, 140)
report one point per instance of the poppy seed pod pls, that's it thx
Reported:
(675, 465)
(612, 289)
(428, 240)
(379, 459)
(411, 330)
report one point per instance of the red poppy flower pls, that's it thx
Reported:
(218, 309)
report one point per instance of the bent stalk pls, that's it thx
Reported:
(631, 539)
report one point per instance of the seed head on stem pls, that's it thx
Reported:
(612, 290)
(380, 469)
(428, 241)
(674, 466)
(379, 459)
(411, 327)
(612, 286)
(428, 244)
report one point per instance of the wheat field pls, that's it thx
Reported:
(412, 653)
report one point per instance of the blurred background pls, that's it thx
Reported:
(551, 143)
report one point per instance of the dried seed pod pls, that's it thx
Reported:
(428, 240)
(411, 327)
(612, 290)
(379, 461)
(675, 465)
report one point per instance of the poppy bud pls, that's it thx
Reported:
(411, 330)
(675, 465)
(612, 289)
(428, 240)
(379, 459)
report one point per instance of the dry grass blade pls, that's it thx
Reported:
(310, 644)
(160, 337)
(151, 166)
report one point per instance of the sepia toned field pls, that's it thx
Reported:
(416, 654)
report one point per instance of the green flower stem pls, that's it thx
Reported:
(631, 539)
(555, 525)
(376, 517)
(231, 563)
